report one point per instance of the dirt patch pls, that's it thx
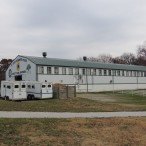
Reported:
(98, 97)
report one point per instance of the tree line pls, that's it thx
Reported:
(125, 58)
(4, 64)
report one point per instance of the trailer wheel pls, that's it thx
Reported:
(7, 97)
(32, 97)
(28, 97)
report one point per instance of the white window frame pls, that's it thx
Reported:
(76, 71)
(100, 72)
(56, 70)
(83, 71)
(64, 70)
(94, 72)
(109, 72)
(88, 71)
(70, 71)
(41, 69)
(49, 70)
(105, 72)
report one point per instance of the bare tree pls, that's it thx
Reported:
(103, 58)
(141, 54)
(118, 60)
(128, 58)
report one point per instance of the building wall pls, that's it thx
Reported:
(21, 66)
(97, 82)
(88, 81)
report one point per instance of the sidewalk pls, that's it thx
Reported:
(20, 114)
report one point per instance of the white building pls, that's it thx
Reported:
(87, 76)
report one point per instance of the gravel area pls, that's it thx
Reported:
(4, 114)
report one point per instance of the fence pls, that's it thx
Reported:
(64, 91)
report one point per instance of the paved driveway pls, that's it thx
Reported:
(5, 114)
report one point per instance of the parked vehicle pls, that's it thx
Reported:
(39, 90)
(13, 90)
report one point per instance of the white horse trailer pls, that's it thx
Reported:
(39, 90)
(13, 90)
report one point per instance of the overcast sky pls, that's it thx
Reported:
(71, 28)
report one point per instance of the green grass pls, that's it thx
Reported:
(73, 132)
(123, 102)
(128, 98)
(51, 105)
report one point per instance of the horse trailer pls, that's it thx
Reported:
(13, 90)
(39, 90)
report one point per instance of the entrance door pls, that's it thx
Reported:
(18, 78)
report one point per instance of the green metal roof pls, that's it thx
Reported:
(82, 64)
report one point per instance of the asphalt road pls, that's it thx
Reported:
(5, 114)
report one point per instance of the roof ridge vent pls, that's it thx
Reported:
(85, 58)
(44, 54)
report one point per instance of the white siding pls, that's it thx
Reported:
(27, 74)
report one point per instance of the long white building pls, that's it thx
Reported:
(87, 76)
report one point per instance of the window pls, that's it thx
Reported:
(43, 86)
(141, 74)
(49, 86)
(9, 87)
(49, 70)
(56, 70)
(134, 73)
(64, 71)
(70, 70)
(114, 72)
(94, 72)
(29, 86)
(33, 87)
(83, 72)
(138, 74)
(131, 74)
(4, 86)
(16, 86)
(123, 74)
(118, 72)
(127, 73)
(100, 72)
(110, 72)
(41, 70)
(76, 71)
(88, 71)
(23, 86)
(105, 72)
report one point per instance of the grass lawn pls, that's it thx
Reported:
(73, 132)
(119, 102)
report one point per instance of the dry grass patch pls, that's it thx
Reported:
(73, 132)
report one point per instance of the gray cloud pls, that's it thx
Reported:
(69, 29)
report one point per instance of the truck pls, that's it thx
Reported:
(39, 90)
(13, 90)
